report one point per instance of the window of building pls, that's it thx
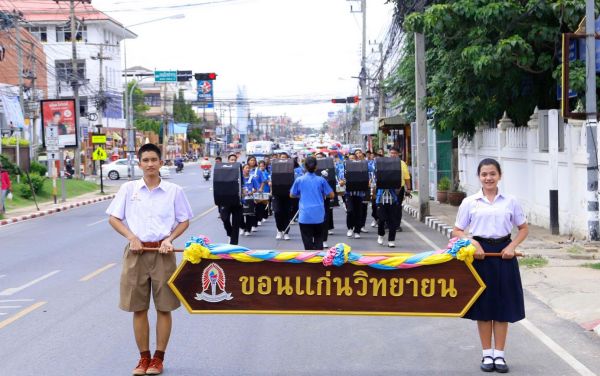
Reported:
(63, 33)
(152, 99)
(40, 32)
(64, 70)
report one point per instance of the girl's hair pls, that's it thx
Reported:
(250, 158)
(311, 164)
(488, 162)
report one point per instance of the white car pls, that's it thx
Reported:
(118, 169)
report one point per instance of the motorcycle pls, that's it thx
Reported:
(206, 174)
(179, 166)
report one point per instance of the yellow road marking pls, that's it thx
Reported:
(93, 274)
(203, 214)
(20, 314)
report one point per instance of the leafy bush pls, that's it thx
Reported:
(444, 184)
(12, 168)
(12, 141)
(38, 168)
(24, 188)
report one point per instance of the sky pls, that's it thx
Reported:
(296, 50)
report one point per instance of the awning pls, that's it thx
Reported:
(393, 122)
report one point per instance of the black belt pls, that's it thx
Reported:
(501, 240)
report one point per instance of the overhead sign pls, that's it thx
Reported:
(98, 138)
(184, 76)
(99, 154)
(228, 286)
(165, 76)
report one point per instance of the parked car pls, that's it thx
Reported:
(118, 169)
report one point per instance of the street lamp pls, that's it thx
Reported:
(128, 104)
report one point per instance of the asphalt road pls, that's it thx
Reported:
(59, 288)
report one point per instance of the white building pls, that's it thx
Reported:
(98, 44)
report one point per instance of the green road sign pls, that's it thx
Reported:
(165, 76)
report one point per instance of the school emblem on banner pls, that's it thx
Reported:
(213, 277)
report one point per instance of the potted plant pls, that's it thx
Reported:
(443, 187)
(456, 196)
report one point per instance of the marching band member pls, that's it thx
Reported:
(250, 185)
(388, 210)
(263, 176)
(353, 200)
(231, 215)
(311, 190)
(282, 207)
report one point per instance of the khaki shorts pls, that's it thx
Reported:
(142, 273)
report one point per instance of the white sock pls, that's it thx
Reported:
(499, 354)
(488, 352)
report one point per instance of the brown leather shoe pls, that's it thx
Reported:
(155, 367)
(142, 366)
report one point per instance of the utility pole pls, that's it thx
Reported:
(591, 114)
(75, 81)
(423, 146)
(101, 101)
(165, 122)
(363, 73)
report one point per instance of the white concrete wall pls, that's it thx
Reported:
(97, 33)
(526, 171)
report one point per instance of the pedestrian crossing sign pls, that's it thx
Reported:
(99, 154)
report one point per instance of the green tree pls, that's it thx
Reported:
(141, 121)
(485, 57)
(182, 111)
(195, 135)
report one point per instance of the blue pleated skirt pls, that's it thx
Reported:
(502, 300)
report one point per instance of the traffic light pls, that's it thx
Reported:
(205, 76)
(354, 99)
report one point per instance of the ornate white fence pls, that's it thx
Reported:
(527, 172)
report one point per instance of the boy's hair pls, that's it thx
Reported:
(149, 147)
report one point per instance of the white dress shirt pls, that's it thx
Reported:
(150, 214)
(491, 220)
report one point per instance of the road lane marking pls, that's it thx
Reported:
(202, 214)
(98, 222)
(12, 290)
(95, 273)
(557, 349)
(20, 314)
(420, 235)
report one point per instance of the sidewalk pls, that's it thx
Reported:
(29, 212)
(563, 284)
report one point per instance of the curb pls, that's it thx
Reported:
(431, 221)
(62, 208)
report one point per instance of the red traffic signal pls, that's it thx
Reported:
(354, 99)
(205, 76)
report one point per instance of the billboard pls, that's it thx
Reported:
(60, 113)
(12, 111)
(205, 94)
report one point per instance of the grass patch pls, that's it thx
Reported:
(594, 265)
(73, 188)
(575, 249)
(533, 262)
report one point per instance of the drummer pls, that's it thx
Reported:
(250, 185)
(263, 175)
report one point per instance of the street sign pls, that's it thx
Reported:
(217, 285)
(51, 138)
(165, 76)
(98, 138)
(184, 76)
(99, 154)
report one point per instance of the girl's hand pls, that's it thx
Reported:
(508, 252)
(479, 252)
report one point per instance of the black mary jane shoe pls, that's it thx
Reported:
(487, 367)
(500, 367)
